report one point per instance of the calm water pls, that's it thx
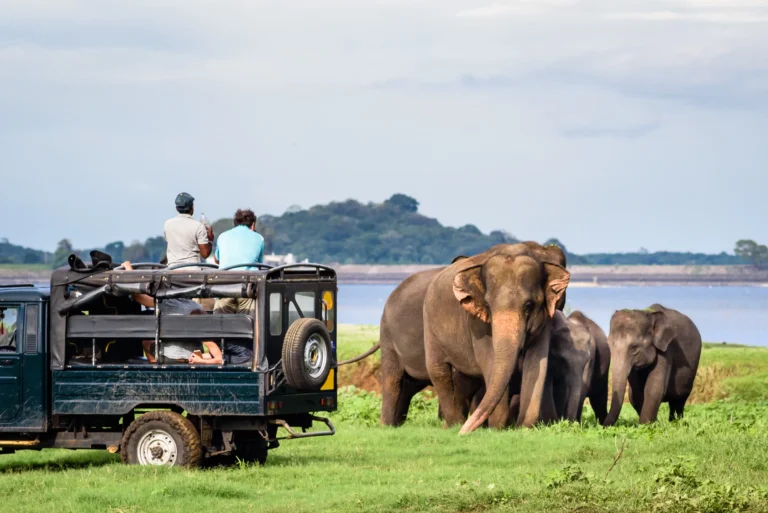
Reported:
(723, 314)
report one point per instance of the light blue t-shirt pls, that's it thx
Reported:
(239, 245)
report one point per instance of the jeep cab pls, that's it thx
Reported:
(74, 371)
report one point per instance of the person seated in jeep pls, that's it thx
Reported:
(179, 351)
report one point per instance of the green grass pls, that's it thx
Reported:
(714, 460)
(24, 267)
(355, 339)
(717, 455)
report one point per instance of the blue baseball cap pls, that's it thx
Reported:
(184, 200)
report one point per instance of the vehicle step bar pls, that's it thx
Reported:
(19, 443)
(293, 434)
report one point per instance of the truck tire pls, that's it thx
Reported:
(307, 355)
(161, 438)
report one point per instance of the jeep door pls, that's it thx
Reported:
(10, 363)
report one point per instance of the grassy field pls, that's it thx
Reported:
(24, 267)
(712, 461)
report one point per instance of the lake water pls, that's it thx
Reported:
(722, 314)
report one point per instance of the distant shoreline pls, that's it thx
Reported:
(581, 276)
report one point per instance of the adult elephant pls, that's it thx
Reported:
(598, 387)
(401, 339)
(480, 314)
(657, 352)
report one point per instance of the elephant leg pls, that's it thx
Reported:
(441, 375)
(636, 393)
(514, 409)
(397, 390)
(549, 408)
(654, 391)
(598, 398)
(676, 407)
(466, 389)
(534, 379)
(499, 418)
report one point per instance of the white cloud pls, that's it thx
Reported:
(708, 17)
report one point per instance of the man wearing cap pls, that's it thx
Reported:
(189, 241)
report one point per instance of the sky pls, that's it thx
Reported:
(609, 125)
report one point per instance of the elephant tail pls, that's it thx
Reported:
(362, 356)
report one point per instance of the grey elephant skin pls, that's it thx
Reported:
(403, 359)
(598, 386)
(579, 360)
(656, 352)
(571, 360)
(480, 315)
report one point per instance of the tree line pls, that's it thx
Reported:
(391, 232)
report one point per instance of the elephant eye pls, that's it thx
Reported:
(527, 307)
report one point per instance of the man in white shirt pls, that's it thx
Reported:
(189, 241)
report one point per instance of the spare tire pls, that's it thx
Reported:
(307, 354)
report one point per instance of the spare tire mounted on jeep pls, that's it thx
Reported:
(307, 354)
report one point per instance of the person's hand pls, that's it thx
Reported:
(127, 266)
(195, 359)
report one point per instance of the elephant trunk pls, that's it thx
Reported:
(619, 376)
(508, 331)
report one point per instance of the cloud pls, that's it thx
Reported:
(513, 8)
(623, 132)
(706, 17)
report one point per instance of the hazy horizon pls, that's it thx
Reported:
(610, 126)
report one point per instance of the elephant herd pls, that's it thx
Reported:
(488, 333)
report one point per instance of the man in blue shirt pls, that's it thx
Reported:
(240, 245)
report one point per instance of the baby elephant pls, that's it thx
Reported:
(571, 360)
(657, 352)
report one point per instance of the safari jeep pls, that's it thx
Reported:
(74, 372)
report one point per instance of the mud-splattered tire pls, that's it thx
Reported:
(161, 438)
(307, 354)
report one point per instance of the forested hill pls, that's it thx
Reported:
(391, 232)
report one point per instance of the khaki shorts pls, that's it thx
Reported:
(234, 305)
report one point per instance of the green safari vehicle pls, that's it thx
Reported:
(74, 372)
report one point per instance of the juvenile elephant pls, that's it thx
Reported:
(403, 360)
(598, 387)
(657, 352)
(480, 315)
(573, 372)
(571, 361)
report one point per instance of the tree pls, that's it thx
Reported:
(154, 248)
(555, 242)
(403, 202)
(61, 255)
(115, 250)
(754, 253)
(135, 252)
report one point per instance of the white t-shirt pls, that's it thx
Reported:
(183, 234)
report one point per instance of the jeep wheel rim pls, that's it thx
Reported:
(157, 447)
(315, 356)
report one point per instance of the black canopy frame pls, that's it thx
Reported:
(75, 291)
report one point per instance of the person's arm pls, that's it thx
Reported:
(205, 240)
(260, 258)
(215, 359)
(143, 299)
(216, 254)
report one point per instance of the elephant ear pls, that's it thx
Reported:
(663, 332)
(557, 281)
(469, 289)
